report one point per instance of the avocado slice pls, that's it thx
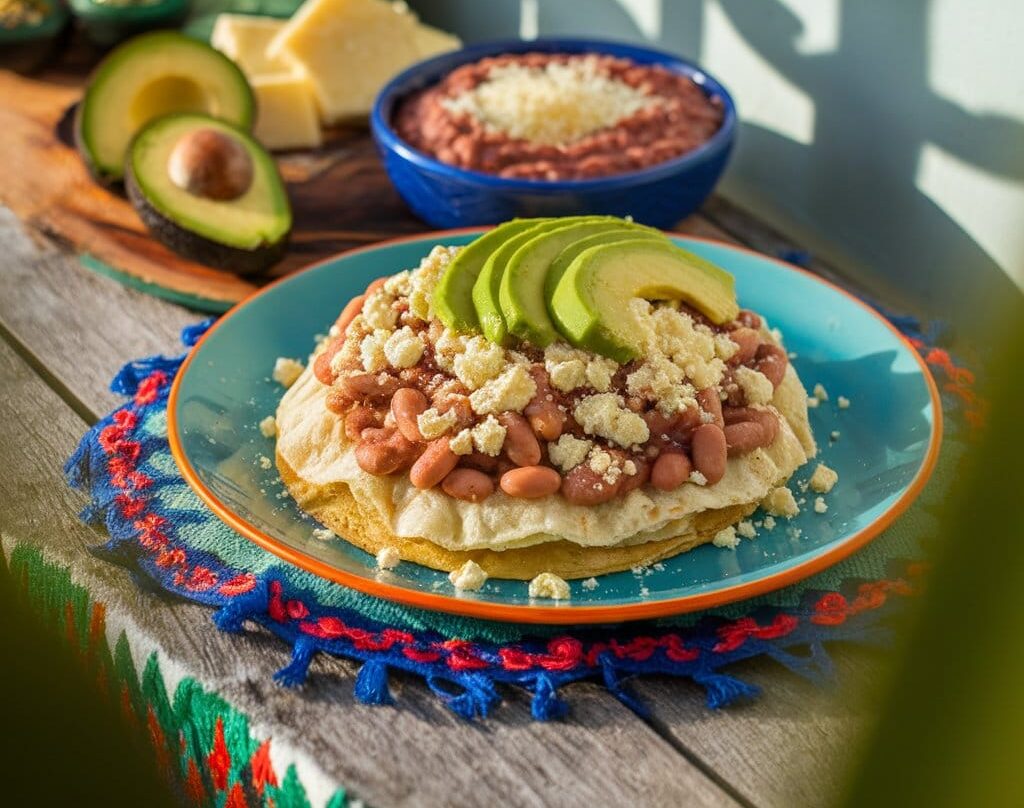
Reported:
(149, 76)
(568, 255)
(590, 304)
(487, 285)
(521, 291)
(453, 295)
(237, 218)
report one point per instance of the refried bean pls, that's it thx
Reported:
(681, 119)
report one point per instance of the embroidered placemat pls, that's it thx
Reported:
(171, 541)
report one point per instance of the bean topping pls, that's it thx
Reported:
(710, 452)
(433, 465)
(406, 405)
(670, 470)
(468, 484)
(521, 446)
(531, 482)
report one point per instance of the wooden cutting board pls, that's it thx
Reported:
(340, 195)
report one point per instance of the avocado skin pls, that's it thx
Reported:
(199, 248)
(99, 175)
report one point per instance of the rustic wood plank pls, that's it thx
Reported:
(414, 755)
(757, 748)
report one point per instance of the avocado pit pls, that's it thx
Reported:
(210, 164)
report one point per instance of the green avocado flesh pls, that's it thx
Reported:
(568, 255)
(150, 76)
(244, 234)
(591, 302)
(487, 286)
(521, 294)
(453, 295)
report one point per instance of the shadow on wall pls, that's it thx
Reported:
(854, 182)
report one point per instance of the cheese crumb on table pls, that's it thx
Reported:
(769, 523)
(843, 402)
(819, 505)
(590, 584)
(812, 403)
(820, 392)
(549, 585)
(780, 502)
(268, 426)
(746, 529)
(323, 534)
(823, 479)
(468, 578)
(388, 558)
(266, 462)
(286, 371)
(726, 538)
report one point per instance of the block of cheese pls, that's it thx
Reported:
(350, 48)
(286, 115)
(244, 38)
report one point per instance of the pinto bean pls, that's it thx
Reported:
(657, 422)
(670, 470)
(546, 420)
(406, 405)
(584, 486)
(468, 484)
(349, 313)
(322, 364)
(749, 319)
(479, 461)
(628, 482)
(744, 437)
(367, 386)
(771, 360)
(711, 403)
(747, 341)
(530, 482)
(338, 402)
(521, 445)
(384, 451)
(359, 418)
(766, 418)
(436, 462)
(710, 452)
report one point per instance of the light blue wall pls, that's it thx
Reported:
(886, 134)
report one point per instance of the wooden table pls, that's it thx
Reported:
(65, 331)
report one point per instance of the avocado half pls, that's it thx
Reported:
(245, 234)
(146, 78)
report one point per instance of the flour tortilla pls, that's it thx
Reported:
(514, 538)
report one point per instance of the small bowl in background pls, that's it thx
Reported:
(448, 196)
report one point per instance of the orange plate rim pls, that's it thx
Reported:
(565, 613)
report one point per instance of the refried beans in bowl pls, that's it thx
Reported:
(558, 116)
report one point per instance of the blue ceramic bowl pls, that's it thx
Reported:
(446, 196)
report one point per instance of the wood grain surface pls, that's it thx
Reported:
(74, 329)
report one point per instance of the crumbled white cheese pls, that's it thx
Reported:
(834, 434)
(725, 348)
(556, 103)
(489, 436)
(600, 372)
(511, 391)
(843, 402)
(569, 369)
(403, 348)
(549, 585)
(268, 426)
(469, 577)
(323, 534)
(820, 393)
(399, 285)
(726, 538)
(378, 314)
(604, 415)
(371, 351)
(780, 502)
(447, 346)
(286, 371)
(462, 443)
(479, 362)
(769, 523)
(424, 278)
(590, 584)
(697, 478)
(568, 451)
(823, 479)
(819, 505)
(746, 529)
(266, 462)
(434, 424)
(812, 403)
(755, 385)
(388, 558)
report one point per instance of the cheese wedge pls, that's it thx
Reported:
(286, 115)
(350, 48)
(244, 38)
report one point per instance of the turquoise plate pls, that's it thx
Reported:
(886, 447)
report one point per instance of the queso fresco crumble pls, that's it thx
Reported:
(465, 415)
